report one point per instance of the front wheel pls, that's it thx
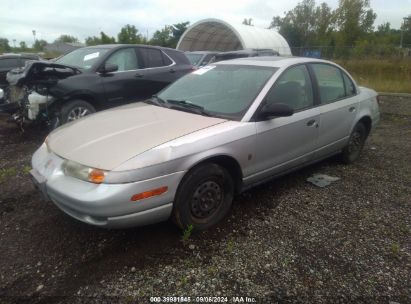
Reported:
(75, 109)
(355, 144)
(204, 197)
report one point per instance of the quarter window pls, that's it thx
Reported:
(349, 86)
(125, 59)
(152, 58)
(293, 88)
(330, 82)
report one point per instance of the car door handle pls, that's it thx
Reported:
(311, 123)
(172, 71)
(138, 75)
(352, 109)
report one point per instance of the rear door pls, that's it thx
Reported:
(123, 85)
(286, 142)
(339, 104)
(159, 70)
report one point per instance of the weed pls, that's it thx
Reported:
(395, 249)
(230, 246)
(187, 233)
(6, 173)
(26, 169)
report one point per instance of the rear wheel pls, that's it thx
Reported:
(355, 144)
(75, 109)
(204, 197)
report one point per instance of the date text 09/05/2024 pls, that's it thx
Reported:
(239, 299)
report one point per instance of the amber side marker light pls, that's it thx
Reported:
(96, 176)
(147, 194)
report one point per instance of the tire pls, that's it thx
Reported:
(355, 144)
(204, 197)
(75, 109)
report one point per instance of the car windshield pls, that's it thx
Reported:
(194, 58)
(82, 58)
(224, 91)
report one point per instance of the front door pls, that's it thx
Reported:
(123, 86)
(286, 142)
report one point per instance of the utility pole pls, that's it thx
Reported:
(14, 43)
(34, 36)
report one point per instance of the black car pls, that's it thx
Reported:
(91, 79)
(200, 58)
(244, 53)
(12, 61)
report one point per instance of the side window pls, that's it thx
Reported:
(126, 59)
(152, 57)
(349, 86)
(166, 59)
(9, 63)
(293, 88)
(330, 82)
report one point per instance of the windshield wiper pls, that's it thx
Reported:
(189, 106)
(155, 100)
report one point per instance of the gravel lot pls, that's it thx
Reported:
(285, 241)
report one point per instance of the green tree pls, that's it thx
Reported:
(354, 20)
(298, 25)
(67, 39)
(39, 45)
(4, 45)
(103, 39)
(178, 30)
(248, 21)
(163, 37)
(23, 46)
(129, 35)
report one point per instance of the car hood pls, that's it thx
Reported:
(40, 71)
(107, 139)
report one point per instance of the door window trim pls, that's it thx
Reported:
(315, 97)
(316, 84)
(163, 53)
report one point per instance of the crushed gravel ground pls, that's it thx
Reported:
(285, 241)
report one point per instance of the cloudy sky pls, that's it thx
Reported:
(83, 18)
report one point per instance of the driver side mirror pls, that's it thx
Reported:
(271, 110)
(109, 68)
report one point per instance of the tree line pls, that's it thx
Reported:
(347, 30)
(168, 36)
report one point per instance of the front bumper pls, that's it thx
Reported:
(104, 205)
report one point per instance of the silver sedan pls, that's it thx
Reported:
(220, 130)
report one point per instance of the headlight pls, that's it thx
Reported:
(82, 172)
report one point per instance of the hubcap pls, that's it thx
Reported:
(206, 199)
(77, 112)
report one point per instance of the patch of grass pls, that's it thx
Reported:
(26, 169)
(395, 249)
(5, 173)
(382, 75)
(230, 246)
(187, 233)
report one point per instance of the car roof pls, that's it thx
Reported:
(113, 46)
(270, 61)
(202, 52)
(13, 55)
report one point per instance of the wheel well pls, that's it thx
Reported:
(231, 165)
(366, 121)
(87, 98)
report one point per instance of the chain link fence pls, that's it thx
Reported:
(360, 51)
